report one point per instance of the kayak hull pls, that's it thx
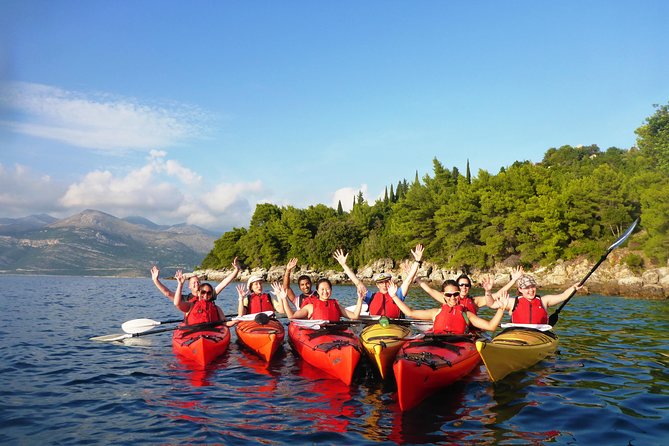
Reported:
(423, 366)
(515, 349)
(201, 347)
(334, 350)
(382, 344)
(263, 340)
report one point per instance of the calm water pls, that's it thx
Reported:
(609, 384)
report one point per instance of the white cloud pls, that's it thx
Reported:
(97, 121)
(346, 195)
(23, 191)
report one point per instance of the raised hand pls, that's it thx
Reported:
(235, 264)
(340, 256)
(487, 283)
(418, 252)
(392, 288)
(292, 263)
(180, 277)
(362, 290)
(517, 273)
(155, 273)
(241, 290)
(405, 266)
(278, 291)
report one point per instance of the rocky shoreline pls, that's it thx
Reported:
(612, 278)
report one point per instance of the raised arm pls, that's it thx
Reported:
(178, 302)
(434, 294)
(229, 278)
(292, 263)
(280, 292)
(241, 293)
(417, 254)
(341, 257)
(155, 276)
(355, 314)
(516, 273)
(488, 299)
(554, 299)
(427, 315)
(492, 324)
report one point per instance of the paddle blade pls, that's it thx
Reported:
(111, 337)
(553, 318)
(139, 325)
(624, 237)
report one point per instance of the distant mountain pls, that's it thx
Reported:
(96, 243)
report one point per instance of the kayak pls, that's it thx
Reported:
(425, 365)
(264, 340)
(202, 346)
(333, 349)
(382, 343)
(515, 349)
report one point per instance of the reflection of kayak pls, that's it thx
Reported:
(515, 349)
(423, 366)
(333, 349)
(202, 346)
(382, 343)
(264, 340)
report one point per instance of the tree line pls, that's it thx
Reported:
(573, 203)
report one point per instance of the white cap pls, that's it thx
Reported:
(253, 279)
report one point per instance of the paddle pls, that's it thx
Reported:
(316, 324)
(552, 320)
(142, 325)
(120, 337)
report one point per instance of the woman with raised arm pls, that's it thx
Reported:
(202, 310)
(253, 300)
(323, 308)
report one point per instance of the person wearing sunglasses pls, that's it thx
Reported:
(464, 284)
(201, 310)
(380, 303)
(452, 317)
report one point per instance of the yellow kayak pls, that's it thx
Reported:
(382, 343)
(515, 349)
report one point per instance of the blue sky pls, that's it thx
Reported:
(197, 111)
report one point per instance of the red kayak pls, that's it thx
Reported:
(201, 346)
(425, 365)
(264, 340)
(333, 349)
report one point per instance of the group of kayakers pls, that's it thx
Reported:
(457, 313)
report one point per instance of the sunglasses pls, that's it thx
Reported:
(465, 284)
(207, 293)
(457, 293)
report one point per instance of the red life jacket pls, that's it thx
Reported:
(451, 320)
(202, 311)
(382, 305)
(468, 303)
(326, 309)
(259, 303)
(304, 299)
(527, 311)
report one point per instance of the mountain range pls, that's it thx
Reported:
(98, 244)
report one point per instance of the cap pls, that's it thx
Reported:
(526, 281)
(253, 279)
(382, 277)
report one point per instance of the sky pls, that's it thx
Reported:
(194, 112)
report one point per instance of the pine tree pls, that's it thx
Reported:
(340, 209)
(469, 173)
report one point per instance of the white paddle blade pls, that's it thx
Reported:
(312, 324)
(540, 327)
(252, 316)
(111, 337)
(364, 311)
(139, 325)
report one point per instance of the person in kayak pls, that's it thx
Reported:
(452, 317)
(303, 282)
(472, 304)
(193, 282)
(203, 310)
(530, 308)
(325, 307)
(252, 299)
(380, 303)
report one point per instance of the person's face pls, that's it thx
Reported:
(529, 293)
(451, 293)
(324, 291)
(206, 293)
(305, 286)
(194, 285)
(464, 285)
(383, 286)
(256, 287)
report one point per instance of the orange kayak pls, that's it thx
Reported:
(333, 349)
(423, 366)
(202, 346)
(264, 340)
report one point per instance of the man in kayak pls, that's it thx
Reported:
(528, 307)
(203, 309)
(465, 284)
(193, 282)
(324, 307)
(380, 303)
(303, 282)
(253, 300)
(452, 317)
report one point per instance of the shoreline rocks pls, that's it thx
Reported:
(612, 278)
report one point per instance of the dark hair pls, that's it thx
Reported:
(303, 277)
(464, 276)
(323, 280)
(449, 282)
(213, 290)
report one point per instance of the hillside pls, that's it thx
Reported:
(96, 243)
